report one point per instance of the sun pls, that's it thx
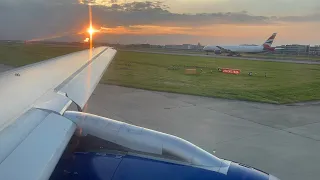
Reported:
(91, 30)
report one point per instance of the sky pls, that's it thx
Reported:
(218, 22)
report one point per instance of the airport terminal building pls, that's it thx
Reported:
(297, 49)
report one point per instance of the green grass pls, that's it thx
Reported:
(258, 55)
(21, 54)
(283, 56)
(285, 82)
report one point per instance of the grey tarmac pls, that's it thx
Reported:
(283, 140)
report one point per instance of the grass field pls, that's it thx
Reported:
(283, 56)
(248, 55)
(20, 54)
(285, 82)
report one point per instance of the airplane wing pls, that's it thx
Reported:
(33, 132)
(224, 49)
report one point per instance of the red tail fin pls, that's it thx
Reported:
(270, 39)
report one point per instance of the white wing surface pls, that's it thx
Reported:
(33, 134)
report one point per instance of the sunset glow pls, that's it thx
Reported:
(145, 29)
(186, 21)
(225, 33)
(86, 40)
(91, 30)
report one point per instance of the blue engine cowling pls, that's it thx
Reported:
(105, 166)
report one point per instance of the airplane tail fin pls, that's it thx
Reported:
(270, 40)
(268, 43)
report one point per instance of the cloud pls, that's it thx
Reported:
(307, 18)
(49, 18)
(147, 30)
(260, 7)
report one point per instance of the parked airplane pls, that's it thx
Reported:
(40, 139)
(236, 50)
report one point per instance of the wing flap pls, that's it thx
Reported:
(53, 101)
(81, 86)
(14, 134)
(36, 157)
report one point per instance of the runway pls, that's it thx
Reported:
(229, 57)
(283, 140)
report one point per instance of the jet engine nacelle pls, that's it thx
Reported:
(198, 163)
